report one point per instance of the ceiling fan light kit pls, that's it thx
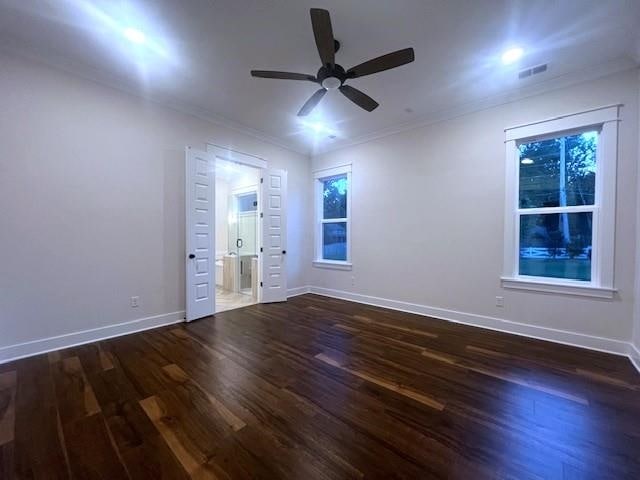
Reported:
(332, 76)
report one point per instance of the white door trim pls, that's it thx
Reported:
(231, 155)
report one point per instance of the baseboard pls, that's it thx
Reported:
(634, 356)
(35, 347)
(601, 344)
(294, 292)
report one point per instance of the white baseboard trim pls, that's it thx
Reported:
(294, 292)
(44, 345)
(634, 356)
(601, 344)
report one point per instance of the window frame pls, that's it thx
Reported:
(319, 177)
(604, 120)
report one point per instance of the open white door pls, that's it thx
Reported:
(274, 235)
(200, 256)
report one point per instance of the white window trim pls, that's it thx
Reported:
(606, 120)
(318, 176)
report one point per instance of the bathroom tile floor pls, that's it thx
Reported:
(226, 300)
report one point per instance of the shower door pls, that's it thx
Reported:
(243, 237)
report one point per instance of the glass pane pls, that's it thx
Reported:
(556, 245)
(558, 172)
(248, 202)
(334, 241)
(334, 197)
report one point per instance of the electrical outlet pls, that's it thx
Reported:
(499, 301)
(353, 280)
(135, 301)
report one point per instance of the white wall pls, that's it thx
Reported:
(428, 208)
(635, 350)
(222, 217)
(92, 202)
(92, 208)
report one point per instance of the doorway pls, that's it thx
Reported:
(237, 228)
(236, 231)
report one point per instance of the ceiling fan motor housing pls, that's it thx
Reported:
(331, 78)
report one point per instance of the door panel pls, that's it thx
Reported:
(274, 235)
(200, 209)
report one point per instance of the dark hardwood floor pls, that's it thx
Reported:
(320, 389)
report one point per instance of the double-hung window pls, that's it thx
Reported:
(560, 204)
(333, 212)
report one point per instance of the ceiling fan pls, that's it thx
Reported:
(332, 76)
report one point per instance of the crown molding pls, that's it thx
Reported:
(561, 81)
(60, 63)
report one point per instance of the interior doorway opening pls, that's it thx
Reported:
(237, 227)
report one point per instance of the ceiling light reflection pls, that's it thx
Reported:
(512, 55)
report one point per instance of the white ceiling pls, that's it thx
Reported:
(199, 53)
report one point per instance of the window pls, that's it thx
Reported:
(248, 202)
(333, 205)
(560, 217)
(556, 205)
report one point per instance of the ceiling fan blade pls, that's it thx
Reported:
(322, 31)
(385, 62)
(359, 98)
(312, 102)
(282, 75)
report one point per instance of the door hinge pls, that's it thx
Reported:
(261, 215)
(261, 249)
(260, 283)
(262, 180)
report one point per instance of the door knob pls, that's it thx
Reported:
(192, 256)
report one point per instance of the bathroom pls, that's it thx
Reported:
(236, 229)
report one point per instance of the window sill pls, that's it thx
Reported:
(332, 264)
(557, 287)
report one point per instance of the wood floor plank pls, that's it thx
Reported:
(37, 448)
(414, 331)
(178, 375)
(91, 450)
(320, 388)
(7, 406)
(74, 393)
(190, 454)
(429, 402)
(141, 448)
(6, 461)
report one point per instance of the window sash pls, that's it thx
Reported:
(595, 250)
(593, 209)
(334, 220)
(546, 210)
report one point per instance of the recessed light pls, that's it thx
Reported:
(133, 35)
(512, 55)
(526, 161)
